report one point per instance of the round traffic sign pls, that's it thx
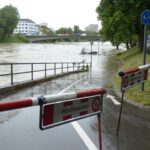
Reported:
(145, 17)
(96, 104)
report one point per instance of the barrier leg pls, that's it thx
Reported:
(99, 131)
(120, 113)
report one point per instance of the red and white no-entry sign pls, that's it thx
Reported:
(81, 106)
(133, 76)
(96, 104)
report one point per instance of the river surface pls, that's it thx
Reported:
(58, 52)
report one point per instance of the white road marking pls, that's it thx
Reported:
(113, 98)
(87, 141)
(72, 85)
(84, 137)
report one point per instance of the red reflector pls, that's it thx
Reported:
(83, 113)
(48, 115)
(145, 74)
(67, 117)
(69, 103)
(84, 100)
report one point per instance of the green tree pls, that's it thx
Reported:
(77, 30)
(105, 12)
(64, 30)
(9, 17)
(121, 21)
(46, 30)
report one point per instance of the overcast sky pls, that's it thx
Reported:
(57, 13)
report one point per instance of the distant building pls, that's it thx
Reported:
(92, 28)
(27, 27)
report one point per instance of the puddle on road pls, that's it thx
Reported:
(5, 116)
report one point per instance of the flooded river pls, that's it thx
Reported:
(58, 52)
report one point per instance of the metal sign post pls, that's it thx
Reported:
(91, 43)
(145, 17)
(99, 131)
(120, 112)
(130, 78)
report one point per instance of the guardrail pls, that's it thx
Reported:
(38, 70)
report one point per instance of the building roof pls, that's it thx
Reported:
(27, 20)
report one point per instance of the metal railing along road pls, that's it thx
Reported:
(16, 72)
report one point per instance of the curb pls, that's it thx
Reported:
(131, 102)
(13, 88)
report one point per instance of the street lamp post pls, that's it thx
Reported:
(91, 42)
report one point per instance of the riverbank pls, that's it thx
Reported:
(128, 59)
(15, 39)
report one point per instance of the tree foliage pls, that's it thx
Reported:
(9, 17)
(64, 30)
(46, 30)
(77, 30)
(121, 21)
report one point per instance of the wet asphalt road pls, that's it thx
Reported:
(19, 128)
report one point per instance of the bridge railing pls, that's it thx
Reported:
(37, 38)
(12, 73)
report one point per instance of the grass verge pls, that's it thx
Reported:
(128, 59)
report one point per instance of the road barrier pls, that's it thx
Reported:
(57, 110)
(13, 71)
(133, 76)
(129, 78)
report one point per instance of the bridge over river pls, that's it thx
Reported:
(58, 37)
